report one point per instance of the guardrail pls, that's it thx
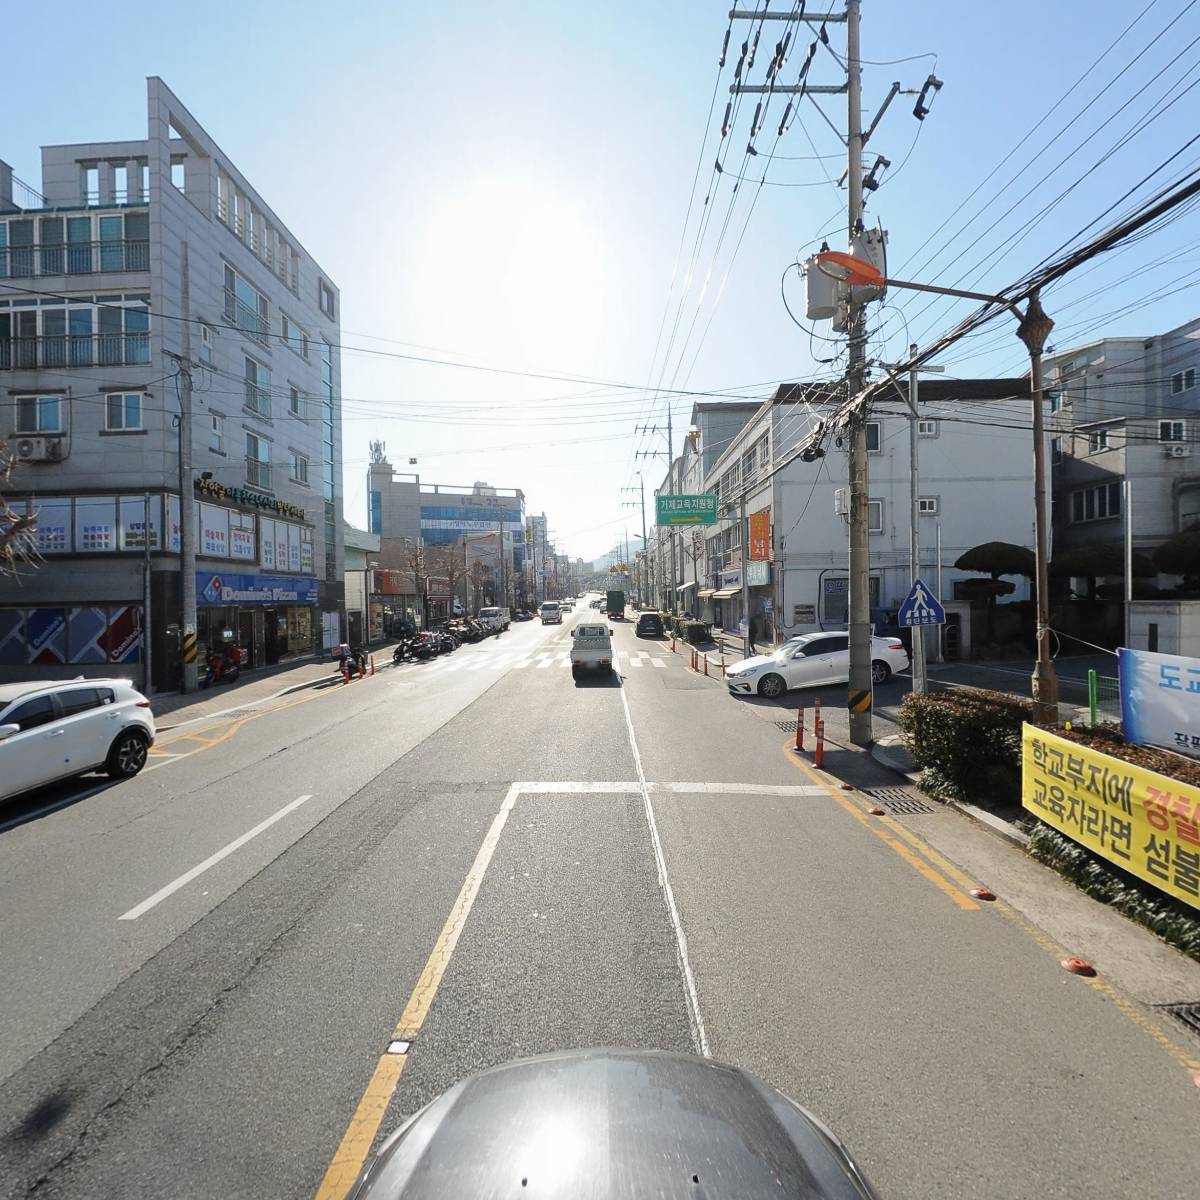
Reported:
(75, 258)
(74, 350)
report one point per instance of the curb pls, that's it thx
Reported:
(287, 691)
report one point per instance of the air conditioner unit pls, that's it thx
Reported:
(841, 502)
(1177, 450)
(37, 449)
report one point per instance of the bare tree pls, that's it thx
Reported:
(449, 562)
(415, 558)
(18, 546)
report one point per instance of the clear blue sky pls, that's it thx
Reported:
(507, 183)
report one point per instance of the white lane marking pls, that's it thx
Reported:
(212, 860)
(546, 662)
(738, 789)
(693, 1000)
(571, 788)
(658, 662)
(635, 662)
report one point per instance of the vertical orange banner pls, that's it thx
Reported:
(760, 535)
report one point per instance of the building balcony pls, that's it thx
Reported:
(245, 318)
(76, 258)
(74, 350)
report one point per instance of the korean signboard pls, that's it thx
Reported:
(760, 535)
(1160, 700)
(687, 510)
(1147, 824)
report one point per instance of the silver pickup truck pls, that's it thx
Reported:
(591, 649)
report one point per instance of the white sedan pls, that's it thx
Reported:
(813, 660)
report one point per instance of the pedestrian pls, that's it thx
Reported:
(750, 637)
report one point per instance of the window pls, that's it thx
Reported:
(293, 336)
(79, 700)
(874, 441)
(1096, 503)
(764, 452)
(294, 401)
(144, 174)
(258, 461)
(258, 388)
(826, 645)
(927, 428)
(123, 411)
(206, 345)
(121, 184)
(325, 298)
(31, 714)
(216, 433)
(299, 470)
(245, 306)
(875, 516)
(1056, 451)
(1183, 381)
(1172, 431)
(91, 185)
(1097, 440)
(39, 414)
(927, 506)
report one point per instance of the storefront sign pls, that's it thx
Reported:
(1147, 824)
(237, 495)
(230, 588)
(1160, 699)
(758, 574)
(687, 510)
(730, 579)
(804, 614)
(760, 536)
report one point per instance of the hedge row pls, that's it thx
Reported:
(967, 743)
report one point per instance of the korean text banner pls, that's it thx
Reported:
(687, 510)
(760, 535)
(1143, 822)
(1160, 699)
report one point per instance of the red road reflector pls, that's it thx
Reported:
(847, 787)
(1077, 966)
(982, 893)
(875, 811)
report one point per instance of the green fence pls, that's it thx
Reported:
(1104, 698)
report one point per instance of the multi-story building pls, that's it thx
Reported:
(976, 472)
(1125, 410)
(141, 266)
(475, 522)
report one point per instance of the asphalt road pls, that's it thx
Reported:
(459, 862)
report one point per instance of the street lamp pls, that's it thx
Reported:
(1033, 330)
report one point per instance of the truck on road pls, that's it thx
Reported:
(614, 604)
(494, 619)
(591, 649)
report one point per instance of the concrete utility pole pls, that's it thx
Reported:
(743, 538)
(858, 698)
(920, 674)
(1034, 329)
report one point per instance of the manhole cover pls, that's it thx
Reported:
(786, 726)
(1186, 1014)
(898, 800)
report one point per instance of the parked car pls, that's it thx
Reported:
(550, 613)
(54, 729)
(591, 649)
(813, 660)
(649, 624)
(567, 605)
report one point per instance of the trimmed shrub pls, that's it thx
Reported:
(967, 743)
(1173, 921)
(696, 632)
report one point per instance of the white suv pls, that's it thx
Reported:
(53, 729)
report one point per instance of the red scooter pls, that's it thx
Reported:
(223, 666)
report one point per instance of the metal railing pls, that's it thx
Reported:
(74, 258)
(1104, 698)
(258, 398)
(74, 350)
(244, 317)
(258, 473)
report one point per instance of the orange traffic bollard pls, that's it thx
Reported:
(816, 712)
(345, 671)
(706, 664)
(800, 728)
(819, 753)
(372, 664)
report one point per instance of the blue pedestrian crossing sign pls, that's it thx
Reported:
(920, 607)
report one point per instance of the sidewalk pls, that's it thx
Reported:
(253, 687)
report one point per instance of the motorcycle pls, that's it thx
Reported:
(221, 667)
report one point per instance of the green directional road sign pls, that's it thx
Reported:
(687, 510)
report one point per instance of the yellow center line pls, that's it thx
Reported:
(360, 1134)
(918, 864)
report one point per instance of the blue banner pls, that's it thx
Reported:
(228, 587)
(1160, 699)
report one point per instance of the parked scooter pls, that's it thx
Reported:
(223, 666)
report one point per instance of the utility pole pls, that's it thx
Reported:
(147, 673)
(1034, 329)
(671, 588)
(859, 692)
(743, 538)
(920, 673)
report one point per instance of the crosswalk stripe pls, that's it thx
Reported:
(635, 662)
(658, 662)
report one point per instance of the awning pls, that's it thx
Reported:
(683, 587)
(706, 593)
(725, 593)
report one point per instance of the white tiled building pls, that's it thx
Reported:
(137, 258)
